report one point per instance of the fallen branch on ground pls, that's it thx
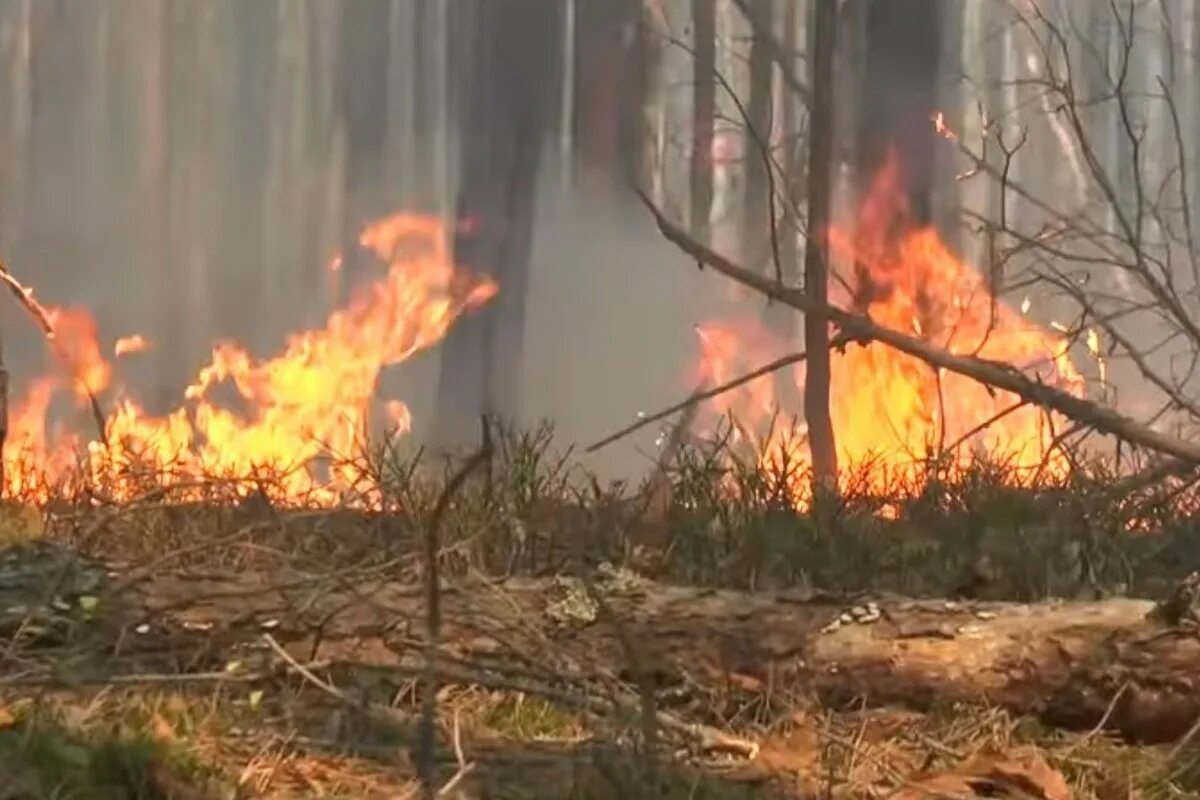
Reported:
(426, 760)
(1128, 664)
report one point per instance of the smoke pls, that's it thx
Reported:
(180, 171)
(186, 171)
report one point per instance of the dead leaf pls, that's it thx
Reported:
(797, 752)
(1025, 769)
(746, 683)
(161, 729)
(1022, 773)
(939, 787)
(7, 718)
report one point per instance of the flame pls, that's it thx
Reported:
(941, 128)
(131, 344)
(890, 410)
(309, 402)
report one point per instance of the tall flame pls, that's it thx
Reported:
(311, 400)
(891, 410)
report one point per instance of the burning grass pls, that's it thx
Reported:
(91, 701)
(290, 411)
(732, 521)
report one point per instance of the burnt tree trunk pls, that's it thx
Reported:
(816, 251)
(508, 59)
(900, 95)
(704, 65)
(899, 90)
(948, 99)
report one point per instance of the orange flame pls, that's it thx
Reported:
(891, 410)
(130, 344)
(308, 402)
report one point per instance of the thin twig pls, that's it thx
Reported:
(707, 394)
(1099, 726)
(43, 319)
(426, 751)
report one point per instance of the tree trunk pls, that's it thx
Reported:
(613, 60)
(779, 318)
(755, 222)
(945, 191)
(816, 251)
(901, 95)
(510, 62)
(704, 65)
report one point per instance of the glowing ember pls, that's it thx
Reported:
(310, 402)
(891, 410)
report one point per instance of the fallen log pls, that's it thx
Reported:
(1123, 664)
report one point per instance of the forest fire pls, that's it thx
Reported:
(291, 416)
(889, 410)
(292, 410)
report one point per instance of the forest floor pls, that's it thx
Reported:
(220, 650)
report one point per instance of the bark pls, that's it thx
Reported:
(1074, 665)
(704, 65)
(945, 190)
(793, 171)
(780, 51)
(756, 224)
(900, 95)
(995, 60)
(816, 251)
(1192, 48)
(510, 67)
(781, 319)
(613, 60)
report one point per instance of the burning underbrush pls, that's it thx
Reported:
(897, 420)
(232, 642)
(945, 485)
(729, 521)
(300, 417)
(299, 423)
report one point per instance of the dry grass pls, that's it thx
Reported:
(172, 744)
(251, 730)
